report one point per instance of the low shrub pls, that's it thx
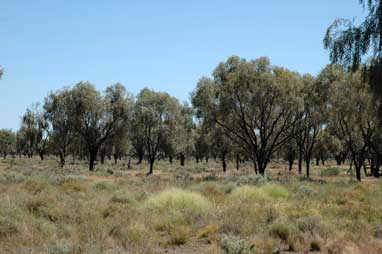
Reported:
(332, 171)
(280, 231)
(309, 224)
(121, 197)
(11, 177)
(60, 247)
(179, 205)
(231, 244)
(104, 185)
(178, 235)
(8, 226)
(315, 246)
(266, 192)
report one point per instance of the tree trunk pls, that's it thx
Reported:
(290, 164)
(300, 162)
(206, 159)
(223, 161)
(377, 166)
(317, 161)
(197, 159)
(115, 158)
(151, 166)
(140, 158)
(170, 159)
(237, 161)
(307, 161)
(102, 158)
(128, 164)
(62, 159)
(358, 172)
(182, 158)
(92, 158)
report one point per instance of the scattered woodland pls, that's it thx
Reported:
(262, 159)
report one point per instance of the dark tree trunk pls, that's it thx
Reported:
(140, 158)
(317, 161)
(307, 161)
(377, 166)
(92, 159)
(115, 158)
(338, 159)
(128, 164)
(206, 159)
(224, 153)
(290, 164)
(237, 161)
(300, 162)
(151, 161)
(62, 159)
(197, 159)
(170, 159)
(102, 155)
(358, 172)
(182, 159)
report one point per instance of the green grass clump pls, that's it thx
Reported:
(332, 171)
(266, 192)
(8, 226)
(177, 204)
(121, 197)
(275, 191)
(280, 231)
(104, 185)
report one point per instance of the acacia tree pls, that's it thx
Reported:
(182, 140)
(256, 104)
(201, 144)
(155, 114)
(7, 142)
(57, 112)
(352, 111)
(97, 118)
(349, 44)
(29, 129)
(315, 94)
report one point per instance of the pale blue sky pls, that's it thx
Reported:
(166, 45)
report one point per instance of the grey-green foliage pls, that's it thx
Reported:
(231, 244)
(155, 114)
(349, 44)
(255, 103)
(7, 142)
(97, 118)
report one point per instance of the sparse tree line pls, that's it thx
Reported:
(249, 110)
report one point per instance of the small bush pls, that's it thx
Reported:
(11, 177)
(280, 231)
(178, 235)
(332, 171)
(59, 180)
(178, 204)
(275, 191)
(121, 197)
(8, 226)
(104, 185)
(231, 244)
(62, 247)
(315, 246)
(73, 186)
(263, 193)
(309, 224)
